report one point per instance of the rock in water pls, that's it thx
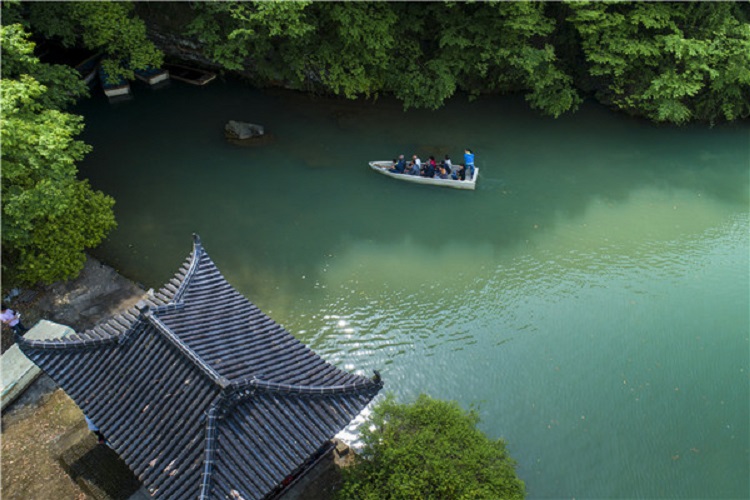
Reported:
(242, 130)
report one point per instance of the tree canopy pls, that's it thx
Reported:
(429, 449)
(109, 28)
(668, 61)
(672, 62)
(49, 216)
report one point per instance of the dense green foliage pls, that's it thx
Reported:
(110, 28)
(430, 449)
(421, 52)
(49, 217)
(669, 61)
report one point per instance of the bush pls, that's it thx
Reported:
(430, 449)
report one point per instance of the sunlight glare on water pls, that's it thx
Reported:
(590, 298)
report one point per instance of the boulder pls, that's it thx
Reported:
(242, 130)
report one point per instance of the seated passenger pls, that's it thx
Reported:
(448, 165)
(461, 173)
(398, 166)
(429, 170)
(415, 165)
(443, 174)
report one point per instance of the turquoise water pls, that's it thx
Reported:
(590, 298)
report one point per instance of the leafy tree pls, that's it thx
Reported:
(671, 61)
(422, 52)
(430, 449)
(353, 51)
(261, 35)
(49, 217)
(342, 47)
(507, 46)
(107, 27)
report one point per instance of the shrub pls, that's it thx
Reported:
(430, 449)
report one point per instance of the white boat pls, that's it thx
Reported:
(384, 167)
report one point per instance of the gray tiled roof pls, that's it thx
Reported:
(202, 394)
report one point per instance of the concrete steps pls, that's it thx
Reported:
(18, 372)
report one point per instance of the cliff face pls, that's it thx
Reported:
(166, 24)
(180, 48)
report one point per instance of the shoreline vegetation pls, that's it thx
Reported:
(669, 62)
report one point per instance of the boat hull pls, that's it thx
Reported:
(88, 68)
(117, 91)
(384, 166)
(153, 77)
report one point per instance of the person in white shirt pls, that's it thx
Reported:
(416, 165)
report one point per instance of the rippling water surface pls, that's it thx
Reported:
(590, 298)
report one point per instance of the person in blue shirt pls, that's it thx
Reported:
(399, 166)
(469, 162)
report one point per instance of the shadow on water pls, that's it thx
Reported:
(309, 194)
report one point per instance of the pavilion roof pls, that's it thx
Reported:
(201, 393)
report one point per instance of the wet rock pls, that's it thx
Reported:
(242, 130)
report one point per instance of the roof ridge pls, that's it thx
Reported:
(238, 391)
(268, 386)
(150, 316)
(197, 254)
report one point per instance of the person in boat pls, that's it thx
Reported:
(447, 165)
(415, 166)
(443, 173)
(429, 170)
(460, 173)
(469, 162)
(398, 165)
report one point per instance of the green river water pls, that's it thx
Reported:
(590, 298)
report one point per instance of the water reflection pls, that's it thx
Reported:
(590, 297)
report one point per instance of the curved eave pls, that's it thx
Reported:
(116, 331)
